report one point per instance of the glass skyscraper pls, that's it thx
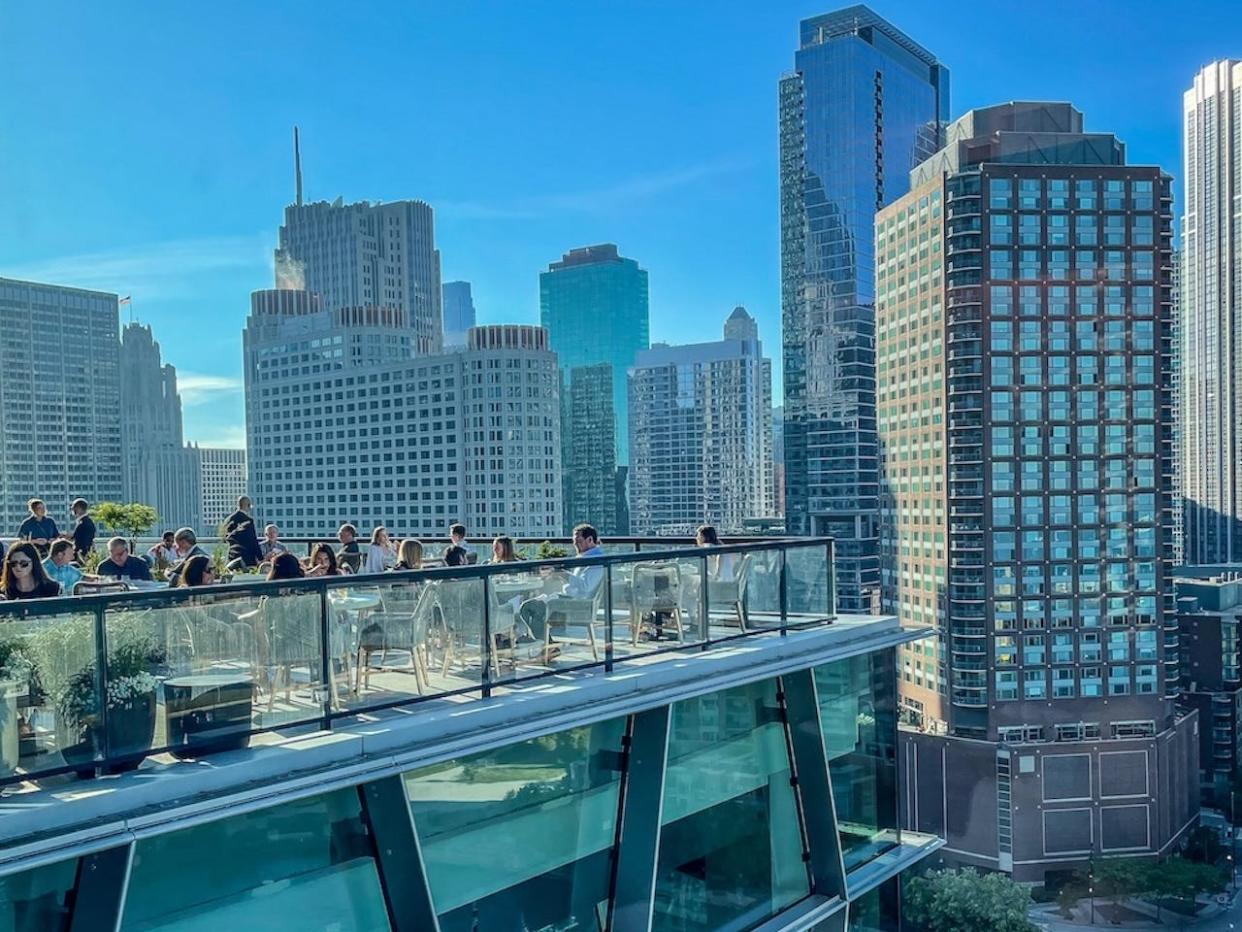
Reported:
(593, 303)
(1210, 310)
(862, 107)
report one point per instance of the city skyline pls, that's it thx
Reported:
(126, 215)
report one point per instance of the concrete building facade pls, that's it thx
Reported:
(223, 479)
(1024, 346)
(60, 394)
(701, 433)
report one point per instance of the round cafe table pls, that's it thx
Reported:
(351, 606)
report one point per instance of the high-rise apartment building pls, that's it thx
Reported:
(593, 303)
(344, 422)
(1211, 316)
(459, 314)
(160, 470)
(362, 257)
(1024, 342)
(863, 105)
(60, 392)
(593, 491)
(701, 433)
(222, 477)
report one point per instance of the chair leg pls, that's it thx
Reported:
(741, 616)
(591, 638)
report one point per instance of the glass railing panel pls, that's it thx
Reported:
(744, 591)
(38, 900)
(546, 618)
(302, 865)
(807, 579)
(658, 604)
(47, 672)
(389, 636)
(198, 674)
(545, 812)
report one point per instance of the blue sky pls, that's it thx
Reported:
(145, 148)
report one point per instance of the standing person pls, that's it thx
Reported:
(59, 566)
(120, 564)
(23, 576)
(240, 535)
(83, 529)
(271, 547)
(38, 528)
(379, 553)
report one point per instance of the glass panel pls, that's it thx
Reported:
(304, 865)
(47, 687)
(198, 675)
(37, 900)
(546, 618)
(876, 911)
(806, 582)
(857, 710)
(545, 812)
(744, 593)
(731, 849)
(658, 604)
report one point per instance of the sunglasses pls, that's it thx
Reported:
(20, 564)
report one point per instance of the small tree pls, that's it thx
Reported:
(131, 520)
(967, 901)
(1186, 879)
(1204, 845)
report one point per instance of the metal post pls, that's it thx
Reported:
(705, 606)
(638, 829)
(784, 587)
(325, 658)
(101, 679)
(608, 633)
(398, 855)
(100, 889)
(485, 679)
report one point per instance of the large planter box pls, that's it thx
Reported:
(208, 712)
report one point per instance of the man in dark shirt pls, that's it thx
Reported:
(348, 536)
(121, 564)
(38, 528)
(83, 530)
(240, 535)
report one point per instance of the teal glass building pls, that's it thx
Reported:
(593, 303)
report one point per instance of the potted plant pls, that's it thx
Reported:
(130, 520)
(131, 685)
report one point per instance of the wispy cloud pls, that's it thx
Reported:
(151, 270)
(196, 388)
(625, 193)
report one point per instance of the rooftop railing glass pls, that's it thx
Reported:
(98, 683)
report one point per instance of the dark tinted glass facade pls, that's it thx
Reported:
(863, 106)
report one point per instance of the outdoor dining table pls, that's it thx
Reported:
(351, 607)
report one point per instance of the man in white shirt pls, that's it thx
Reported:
(581, 582)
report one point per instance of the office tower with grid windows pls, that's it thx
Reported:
(1024, 348)
(863, 105)
(345, 423)
(160, 470)
(366, 256)
(223, 479)
(60, 393)
(593, 303)
(1210, 312)
(701, 433)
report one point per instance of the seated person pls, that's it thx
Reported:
(120, 564)
(722, 566)
(579, 583)
(59, 566)
(348, 536)
(409, 555)
(196, 571)
(456, 556)
(23, 576)
(285, 566)
(164, 553)
(323, 562)
(271, 547)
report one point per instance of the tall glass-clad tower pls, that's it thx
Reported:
(862, 107)
(1210, 310)
(593, 303)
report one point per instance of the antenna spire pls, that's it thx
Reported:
(297, 167)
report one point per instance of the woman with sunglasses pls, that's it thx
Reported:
(24, 577)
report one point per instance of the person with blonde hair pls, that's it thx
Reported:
(409, 555)
(503, 550)
(379, 553)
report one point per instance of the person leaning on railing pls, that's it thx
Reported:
(23, 576)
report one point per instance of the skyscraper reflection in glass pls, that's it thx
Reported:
(863, 106)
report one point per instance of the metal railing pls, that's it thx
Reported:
(97, 683)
